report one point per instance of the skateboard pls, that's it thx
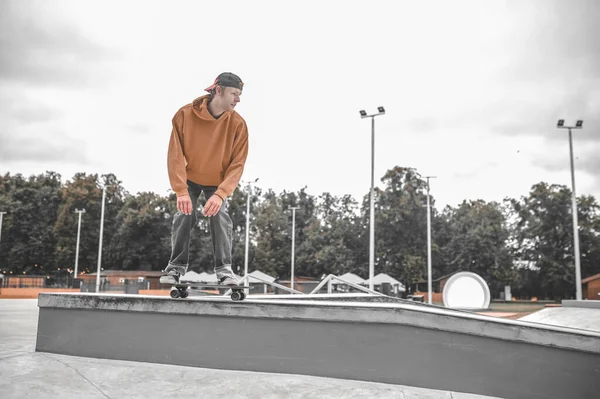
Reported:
(181, 290)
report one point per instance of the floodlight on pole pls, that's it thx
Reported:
(363, 114)
(578, 125)
(79, 211)
(429, 273)
(293, 209)
(1, 217)
(248, 225)
(100, 241)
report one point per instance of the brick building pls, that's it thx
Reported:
(591, 287)
(147, 279)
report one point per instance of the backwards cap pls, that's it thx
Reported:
(227, 79)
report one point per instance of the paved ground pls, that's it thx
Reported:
(29, 374)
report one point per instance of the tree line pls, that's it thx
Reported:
(526, 243)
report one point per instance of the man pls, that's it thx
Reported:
(207, 153)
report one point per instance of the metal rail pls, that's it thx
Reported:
(329, 280)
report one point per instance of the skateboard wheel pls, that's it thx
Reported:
(175, 293)
(243, 295)
(184, 294)
(236, 295)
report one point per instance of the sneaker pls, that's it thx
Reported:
(229, 280)
(172, 277)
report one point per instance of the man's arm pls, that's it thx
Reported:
(175, 159)
(236, 167)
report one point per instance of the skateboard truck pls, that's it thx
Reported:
(181, 290)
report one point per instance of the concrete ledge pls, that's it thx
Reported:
(581, 318)
(340, 297)
(400, 343)
(413, 314)
(573, 303)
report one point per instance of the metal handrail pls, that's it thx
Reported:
(272, 284)
(327, 280)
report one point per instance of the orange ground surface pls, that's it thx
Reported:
(30, 293)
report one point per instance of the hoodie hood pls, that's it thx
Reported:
(200, 107)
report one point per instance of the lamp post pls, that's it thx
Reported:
(578, 125)
(100, 241)
(363, 114)
(1, 216)
(293, 209)
(429, 277)
(248, 228)
(79, 211)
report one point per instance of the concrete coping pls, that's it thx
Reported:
(573, 303)
(413, 314)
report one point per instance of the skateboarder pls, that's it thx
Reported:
(207, 153)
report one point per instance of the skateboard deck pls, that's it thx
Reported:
(180, 290)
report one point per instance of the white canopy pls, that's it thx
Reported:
(384, 278)
(191, 276)
(203, 277)
(261, 275)
(350, 277)
(207, 277)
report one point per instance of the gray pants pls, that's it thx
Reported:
(221, 234)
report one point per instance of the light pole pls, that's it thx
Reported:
(1, 216)
(578, 125)
(79, 211)
(293, 209)
(363, 114)
(429, 288)
(100, 241)
(248, 228)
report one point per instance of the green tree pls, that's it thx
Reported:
(81, 192)
(28, 242)
(401, 225)
(588, 213)
(237, 210)
(272, 247)
(305, 216)
(85, 192)
(331, 238)
(544, 240)
(142, 240)
(332, 233)
(274, 232)
(479, 242)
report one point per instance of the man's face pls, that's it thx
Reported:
(229, 97)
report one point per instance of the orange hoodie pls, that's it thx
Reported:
(205, 150)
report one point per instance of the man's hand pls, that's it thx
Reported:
(212, 206)
(184, 204)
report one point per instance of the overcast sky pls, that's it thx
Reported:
(472, 89)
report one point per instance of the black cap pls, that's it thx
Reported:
(227, 79)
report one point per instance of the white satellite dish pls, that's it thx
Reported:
(466, 290)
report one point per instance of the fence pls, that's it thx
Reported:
(106, 287)
(38, 282)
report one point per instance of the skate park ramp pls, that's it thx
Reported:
(26, 373)
(584, 315)
(401, 344)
